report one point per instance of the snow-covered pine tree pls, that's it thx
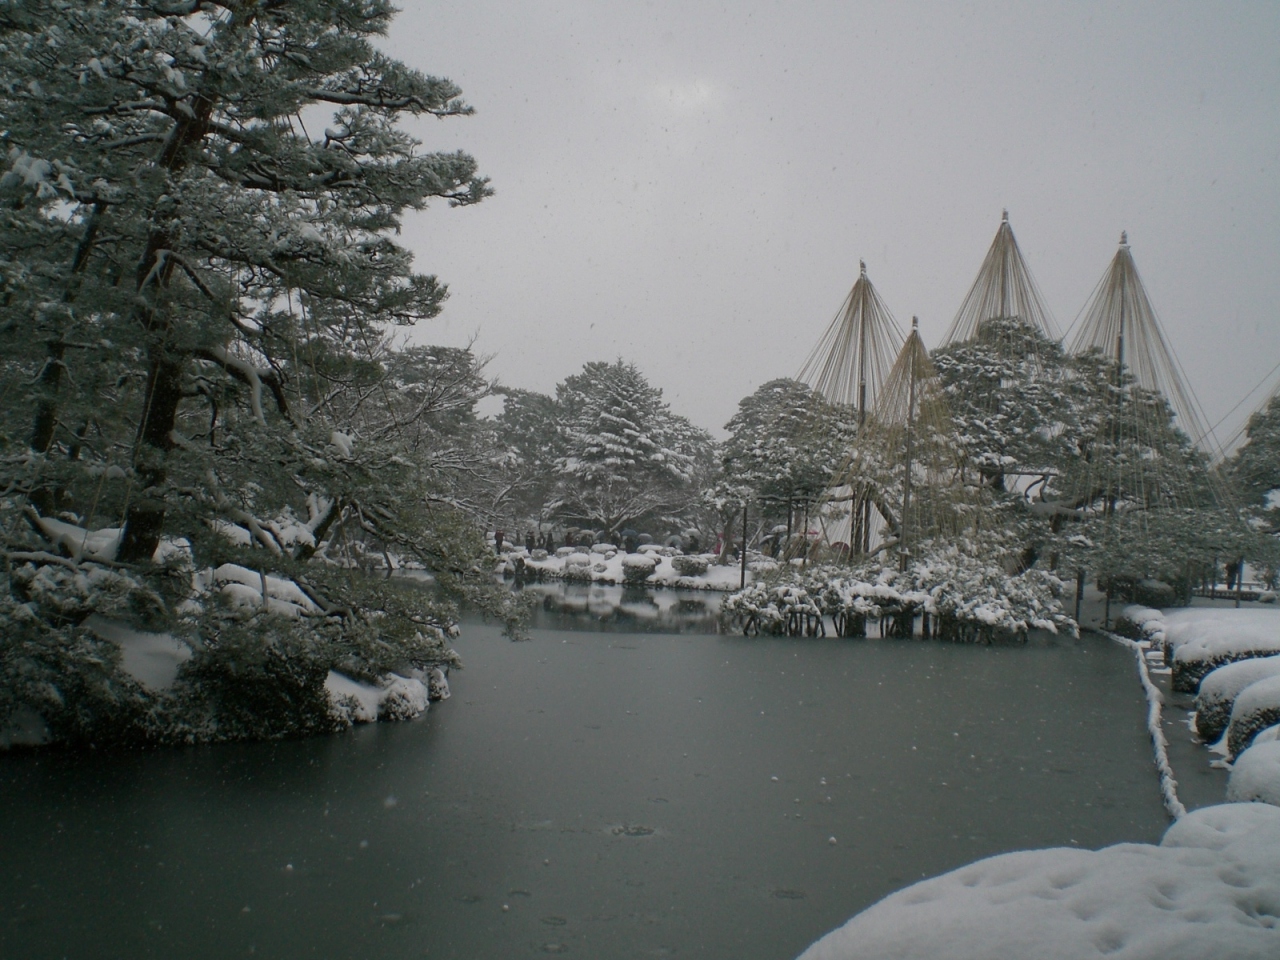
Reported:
(200, 198)
(1254, 470)
(785, 442)
(528, 444)
(626, 457)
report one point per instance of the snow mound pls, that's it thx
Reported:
(1219, 689)
(1211, 889)
(1203, 639)
(397, 698)
(1256, 775)
(246, 587)
(153, 659)
(1257, 707)
(80, 543)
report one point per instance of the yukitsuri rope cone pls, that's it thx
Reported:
(1144, 489)
(905, 467)
(1004, 289)
(849, 367)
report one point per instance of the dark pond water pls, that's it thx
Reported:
(586, 793)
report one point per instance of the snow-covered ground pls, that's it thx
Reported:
(1211, 888)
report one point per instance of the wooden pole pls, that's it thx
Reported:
(906, 480)
(1079, 591)
(742, 580)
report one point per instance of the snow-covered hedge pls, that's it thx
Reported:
(1255, 776)
(1257, 707)
(1204, 638)
(1219, 689)
(1210, 889)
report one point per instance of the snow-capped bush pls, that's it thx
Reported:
(784, 608)
(1219, 689)
(957, 596)
(1255, 775)
(1257, 707)
(636, 568)
(604, 548)
(689, 566)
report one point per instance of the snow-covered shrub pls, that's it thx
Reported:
(689, 566)
(600, 567)
(1140, 623)
(1255, 775)
(563, 552)
(1257, 707)
(1215, 644)
(577, 570)
(604, 548)
(636, 568)
(780, 608)
(1219, 689)
(539, 554)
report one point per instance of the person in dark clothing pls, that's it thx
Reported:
(497, 542)
(529, 542)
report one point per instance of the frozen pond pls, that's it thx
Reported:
(592, 794)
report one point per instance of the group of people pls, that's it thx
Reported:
(532, 541)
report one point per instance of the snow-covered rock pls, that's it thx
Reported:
(80, 543)
(1257, 707)
(396, 698)
(1255, 776)
(1219, 689)
(153, 659)
(249, 589)
(1210, 889)
(25, 728)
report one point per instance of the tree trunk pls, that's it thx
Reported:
(144, 520)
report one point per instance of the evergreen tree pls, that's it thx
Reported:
(626, 457)
(195, 272)
(1255, 468)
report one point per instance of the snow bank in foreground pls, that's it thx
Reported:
(1256, 775)
(1210, 889)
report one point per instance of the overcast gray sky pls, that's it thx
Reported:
(690, 185)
